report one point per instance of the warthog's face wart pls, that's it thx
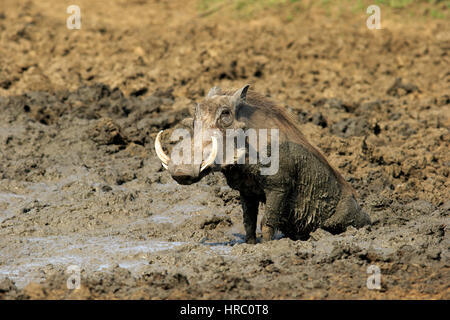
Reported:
(195, 156)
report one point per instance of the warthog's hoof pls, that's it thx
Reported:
(267, 233)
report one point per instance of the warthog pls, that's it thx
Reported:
(305, 193)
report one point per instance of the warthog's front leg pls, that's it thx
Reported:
(274, 208)
(250, 215)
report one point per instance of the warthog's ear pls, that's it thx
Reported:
(214, 91)
(239, 96)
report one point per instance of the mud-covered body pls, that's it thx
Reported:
(305, 192)
(304, 195)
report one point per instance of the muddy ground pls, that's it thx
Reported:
(80, 183)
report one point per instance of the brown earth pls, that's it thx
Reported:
(80, 183)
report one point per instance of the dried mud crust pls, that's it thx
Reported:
(80, 183)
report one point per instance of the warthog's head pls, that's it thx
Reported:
(196, 154)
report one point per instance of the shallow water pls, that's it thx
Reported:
(90, 254)
(9, 203)
(30, 257)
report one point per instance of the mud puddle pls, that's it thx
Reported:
(88, 253)
(29, 257)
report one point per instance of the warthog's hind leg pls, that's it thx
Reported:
(348, 213)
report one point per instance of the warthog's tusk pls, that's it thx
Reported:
(212, 156)
(159, 151)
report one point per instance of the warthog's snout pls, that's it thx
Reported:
(185, 173)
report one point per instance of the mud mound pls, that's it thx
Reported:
(86, 189)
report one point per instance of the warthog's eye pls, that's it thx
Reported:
(226, 118)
